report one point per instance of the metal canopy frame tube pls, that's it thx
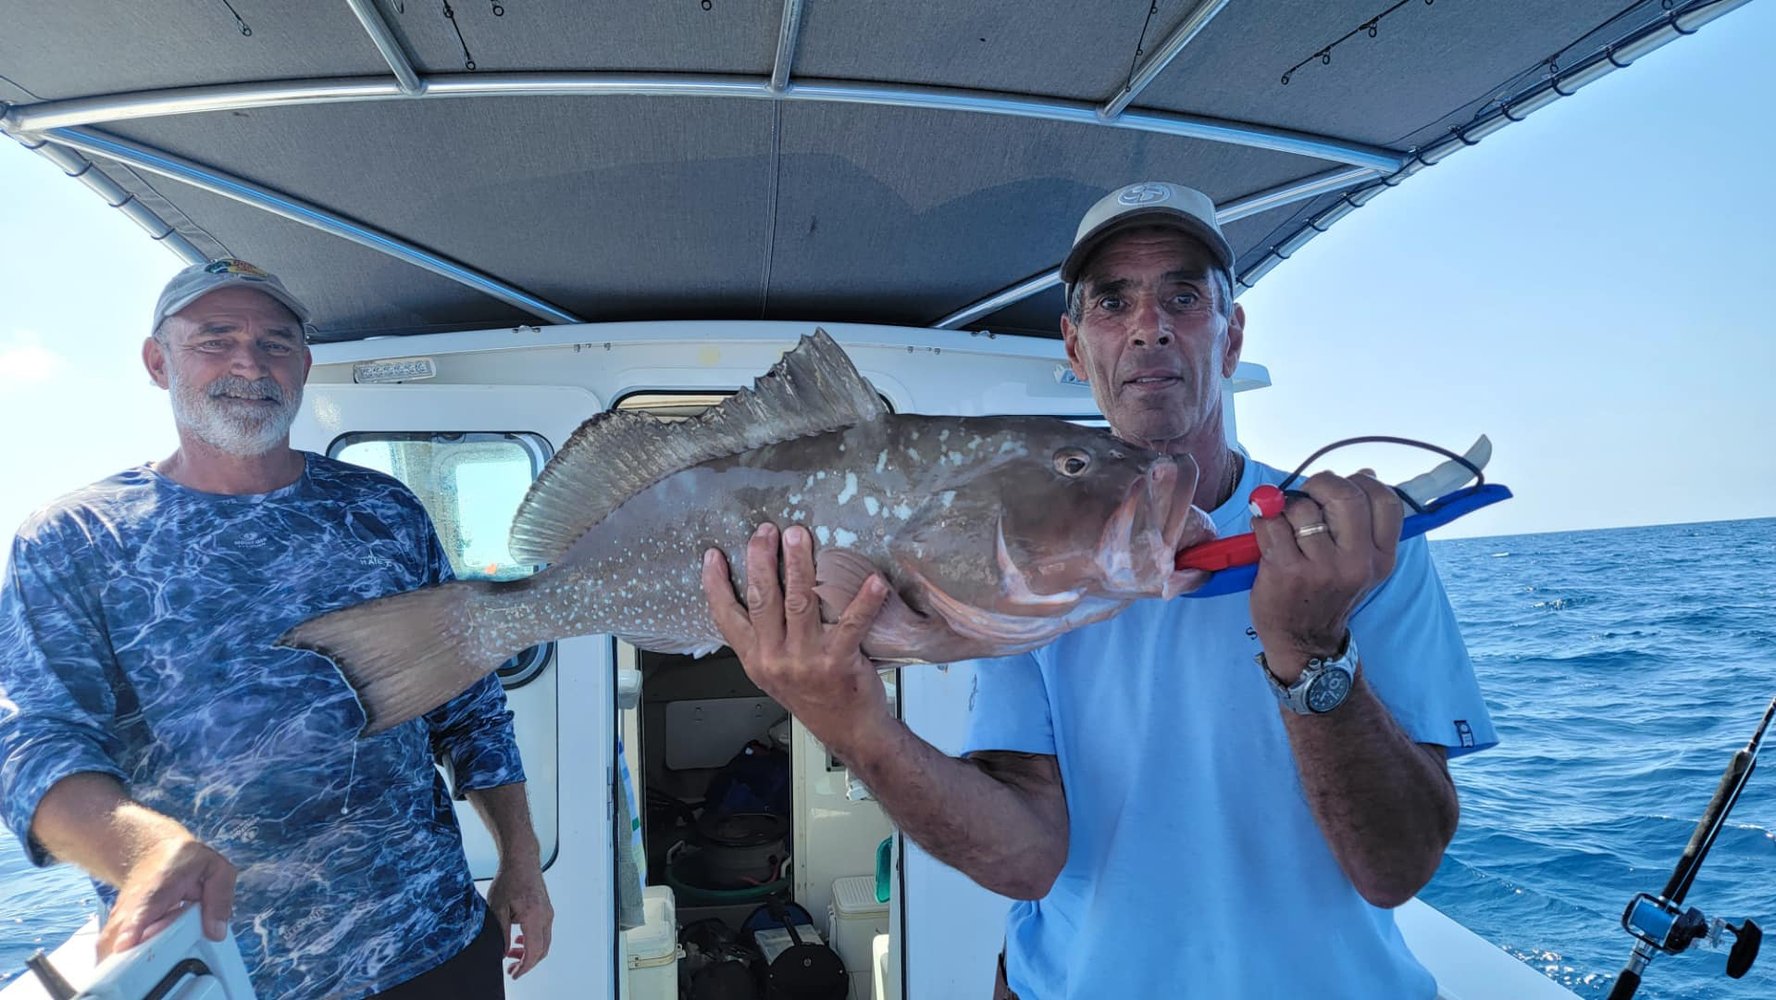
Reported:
(82, 169)
(1162, 123)
(155, 161)
(48, 115)
(1288, 194)
(387, 44)
(1239, 208)
(1162, 57)
(1680, 21)
(786, 44)
(999, 300)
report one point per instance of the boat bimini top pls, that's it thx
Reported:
(420, 165)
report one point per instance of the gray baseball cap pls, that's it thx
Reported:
(1145, 204)
(199, 280)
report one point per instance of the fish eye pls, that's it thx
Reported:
(1072, 462)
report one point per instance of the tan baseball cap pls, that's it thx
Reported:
(1145, 204)
(198, 280)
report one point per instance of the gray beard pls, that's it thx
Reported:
(233, 426)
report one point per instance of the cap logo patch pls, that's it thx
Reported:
(1144, 194)
(231, 265)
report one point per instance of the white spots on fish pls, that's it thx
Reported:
(820, 475)
(903, 511)
(795, 498)
(872, 505)
(913, 453)
(955, 458)
(945, 436)
(947, 497)
(823, 535)
(850, 489)
(809, 484)
(843, 538)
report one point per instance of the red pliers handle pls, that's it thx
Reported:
(1234, 550)
(1268, 501)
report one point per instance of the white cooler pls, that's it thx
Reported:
(651, 951)
(853, 919)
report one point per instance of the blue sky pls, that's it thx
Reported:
(1589, 287)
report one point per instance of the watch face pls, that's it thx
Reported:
(1327, 691)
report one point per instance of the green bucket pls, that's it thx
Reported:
(688, 893)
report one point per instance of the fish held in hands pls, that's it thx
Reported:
(995, 534)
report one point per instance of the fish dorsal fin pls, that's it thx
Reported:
(613, 456)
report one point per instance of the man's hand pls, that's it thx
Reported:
(816, 671)
(1317, 561)
(518, 896)
(161, 884)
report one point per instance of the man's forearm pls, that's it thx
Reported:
(1000, 819)
(506, 811)
(89, 820)
(1385, 804)
(154, 862)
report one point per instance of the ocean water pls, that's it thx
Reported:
(1623, 668)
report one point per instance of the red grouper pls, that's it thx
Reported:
(996, 534)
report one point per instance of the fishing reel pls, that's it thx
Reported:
(1663, 925)
(1659, 924)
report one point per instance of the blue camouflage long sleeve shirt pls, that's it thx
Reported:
(137, 621)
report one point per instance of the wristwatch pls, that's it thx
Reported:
(1323, 685)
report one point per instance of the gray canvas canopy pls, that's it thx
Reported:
(422, 165)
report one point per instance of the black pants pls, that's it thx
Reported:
(474, 973)
(1001, 991)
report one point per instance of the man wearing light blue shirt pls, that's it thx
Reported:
(1213, 797)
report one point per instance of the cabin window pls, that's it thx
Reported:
(671, 405)
(471, 484)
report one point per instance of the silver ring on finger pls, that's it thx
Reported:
(1316, 528)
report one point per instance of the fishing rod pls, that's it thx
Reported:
(1660, 923)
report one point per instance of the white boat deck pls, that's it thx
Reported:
(1467, 967)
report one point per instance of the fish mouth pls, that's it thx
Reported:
(1138, 547)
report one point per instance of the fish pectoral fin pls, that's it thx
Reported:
(900, 633)
(839, 575)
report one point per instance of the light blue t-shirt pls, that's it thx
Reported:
(1194, 865)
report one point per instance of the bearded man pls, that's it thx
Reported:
(152, 734)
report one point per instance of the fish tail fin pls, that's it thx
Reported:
(405, 654)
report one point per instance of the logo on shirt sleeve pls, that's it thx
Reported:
(1464, 732)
